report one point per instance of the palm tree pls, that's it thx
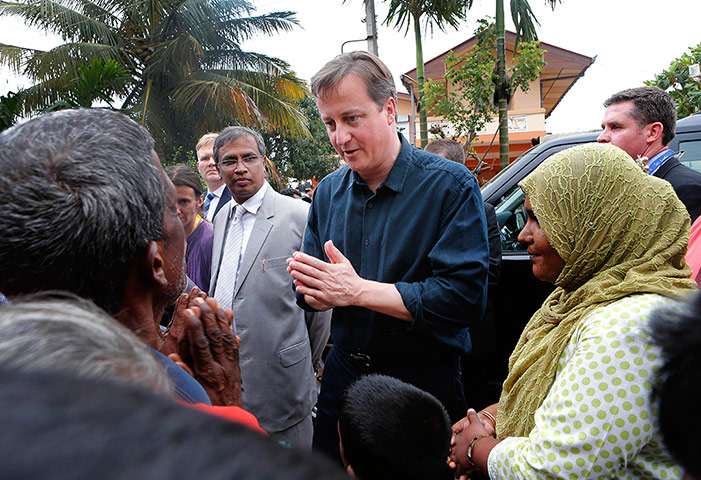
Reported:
(440, 13)
(188, 72)
(97, 81)
(524, 22)
(10, 109)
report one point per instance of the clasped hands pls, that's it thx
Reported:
(200, 340)
(325, 285)
(463, 432)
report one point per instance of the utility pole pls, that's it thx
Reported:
(371, 26)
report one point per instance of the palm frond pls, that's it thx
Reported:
(65, 60)
(236, 59)
(222, 100)
(40, 96)
(188, 53)
(61, 20)
(229, 98)
(240, 29)
(439, 13)
(524, 20)
(15, 57)
(183, 55)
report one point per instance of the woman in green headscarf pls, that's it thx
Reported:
(576, 401)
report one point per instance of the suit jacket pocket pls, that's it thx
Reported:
(295, 353)
(277, 262)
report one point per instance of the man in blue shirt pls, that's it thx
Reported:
(396, 243)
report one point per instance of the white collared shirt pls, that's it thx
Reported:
(215, 201)
(251, 207)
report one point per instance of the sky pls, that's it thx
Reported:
(632, 41)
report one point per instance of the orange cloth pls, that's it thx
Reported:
(235, 414)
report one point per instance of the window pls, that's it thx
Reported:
(511, 218)
(692, 154)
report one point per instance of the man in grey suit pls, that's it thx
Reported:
(280, 343)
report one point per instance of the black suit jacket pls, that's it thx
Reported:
(686, 183)
(225, 197)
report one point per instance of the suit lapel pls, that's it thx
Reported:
(223, 201)
(218, 243)
(261, 229)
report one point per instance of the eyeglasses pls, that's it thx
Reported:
(234, 162)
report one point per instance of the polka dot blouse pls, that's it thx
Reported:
(597, 420)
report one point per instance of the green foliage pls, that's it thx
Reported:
(100, 80)
(187, 71)
(303, 158)
(525, 23)
(183, 156)
(676, 80)
(10, 109)
(441, 13)
(469, 104)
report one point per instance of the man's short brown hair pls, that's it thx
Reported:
(447, 148)
(377, 77)
(651, 104)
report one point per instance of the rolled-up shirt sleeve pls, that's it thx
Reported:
(424, 231)
(454, 295)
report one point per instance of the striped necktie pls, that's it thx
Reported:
(208, 201)
(231, 260)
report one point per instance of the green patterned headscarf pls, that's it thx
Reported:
(620, 232)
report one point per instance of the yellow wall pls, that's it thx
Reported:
(526, 113)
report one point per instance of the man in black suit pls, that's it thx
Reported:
(217, 194)
(642, 122)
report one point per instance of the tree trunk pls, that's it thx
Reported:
(149, 82)
(501, 88)
(423, 122)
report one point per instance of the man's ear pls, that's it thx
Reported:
(155, 266)
(655, 131)
(390, 108)
(349, 470)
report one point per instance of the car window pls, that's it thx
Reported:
(692, 154)
(511, 218)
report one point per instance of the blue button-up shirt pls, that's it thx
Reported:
(424, 231)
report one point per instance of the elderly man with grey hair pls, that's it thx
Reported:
(88, 208)
(253, 236)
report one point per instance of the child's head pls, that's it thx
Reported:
(390, 429)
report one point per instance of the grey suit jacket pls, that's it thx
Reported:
(277, 337)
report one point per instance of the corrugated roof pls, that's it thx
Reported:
(563, 68)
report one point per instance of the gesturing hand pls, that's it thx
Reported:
(211, 350)
(325, 285)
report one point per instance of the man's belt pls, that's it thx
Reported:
(366, 362)
(359, 360)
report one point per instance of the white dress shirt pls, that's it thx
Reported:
(251, 207)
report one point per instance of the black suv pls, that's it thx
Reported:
(519, 293)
